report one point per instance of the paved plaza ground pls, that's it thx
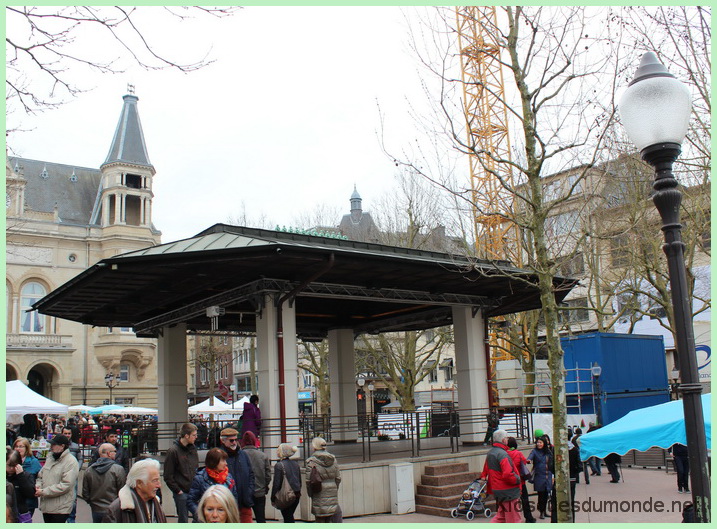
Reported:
(645, 495)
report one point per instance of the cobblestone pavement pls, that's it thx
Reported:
(644, 495)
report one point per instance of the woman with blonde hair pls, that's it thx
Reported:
(218, 505)
(30, 465)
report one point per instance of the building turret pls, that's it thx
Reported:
(356, 211)
(126, 189)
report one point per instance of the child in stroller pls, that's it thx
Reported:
(472, 501)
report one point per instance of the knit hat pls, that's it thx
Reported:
(318, 443)
(248, 439)
(539, 433)
(285, 450)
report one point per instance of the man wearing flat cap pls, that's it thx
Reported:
(55, 485)
(240, 468)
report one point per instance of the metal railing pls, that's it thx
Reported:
(364, 437)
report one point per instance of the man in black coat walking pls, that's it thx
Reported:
(180, 465)
(241, 470)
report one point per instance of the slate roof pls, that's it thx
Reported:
(128, 143)
(340, 284)
(50, 184)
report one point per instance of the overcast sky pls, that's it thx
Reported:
(286, 118)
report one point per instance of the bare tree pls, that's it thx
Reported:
(314, 358)
(681, 36)
(322, 216)
(402, 360)
(244, 218)
(46, 47)
(561, 68)
(211, 355)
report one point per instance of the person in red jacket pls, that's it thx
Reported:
(503, 480)
(521, 463)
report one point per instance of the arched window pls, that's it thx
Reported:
(32, 321)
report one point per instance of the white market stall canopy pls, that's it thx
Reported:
(80, 407)
(21, 400)
(239, 405)
(134, 410)
(219, 407)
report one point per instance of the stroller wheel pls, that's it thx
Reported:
(454, 513)
(487, 513)
(470, 515)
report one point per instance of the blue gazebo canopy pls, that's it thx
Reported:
(661, 426)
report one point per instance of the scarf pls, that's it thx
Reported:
(219, 477)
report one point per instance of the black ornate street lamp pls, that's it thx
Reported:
(596, 371)
(655, 112)
(111, 383)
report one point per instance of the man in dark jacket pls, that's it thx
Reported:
(682, 467)
(241, 470)
(611, 462)
(102, 482)
(122, 458)
(180, 465)
(261, 466)
(503, 480)
(576, 467)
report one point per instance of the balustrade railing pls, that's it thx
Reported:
(365, 437)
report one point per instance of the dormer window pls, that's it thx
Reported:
(44, 173)
(73, 176)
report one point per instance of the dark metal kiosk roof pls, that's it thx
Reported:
(335, 283)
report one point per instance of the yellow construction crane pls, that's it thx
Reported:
(487, 128)
(486, 118)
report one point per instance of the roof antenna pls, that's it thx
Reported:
(130, 89)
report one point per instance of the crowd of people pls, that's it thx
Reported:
(508, 474)
(232, 485)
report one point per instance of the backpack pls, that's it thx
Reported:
(286, 495)
(314, 480)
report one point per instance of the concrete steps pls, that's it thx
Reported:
(441, 488)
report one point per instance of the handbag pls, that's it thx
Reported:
(524, 471)
(25, 517)
(314, 480)
(286, 495)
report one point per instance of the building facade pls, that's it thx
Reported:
(605, 230)
(62, 219)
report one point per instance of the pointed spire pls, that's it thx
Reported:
(356, 212)
(128, 142)
(355, 203)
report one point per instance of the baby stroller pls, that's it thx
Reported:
(473, 501)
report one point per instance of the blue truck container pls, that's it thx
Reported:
(634, 373)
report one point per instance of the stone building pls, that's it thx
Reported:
(61, 220)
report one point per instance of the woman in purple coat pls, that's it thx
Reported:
(251, 419)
